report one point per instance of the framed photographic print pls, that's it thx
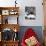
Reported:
(5, 12)
(30, 12)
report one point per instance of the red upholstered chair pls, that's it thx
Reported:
(29, 33)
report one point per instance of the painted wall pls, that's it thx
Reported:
(22, 4)
(37, 29)
(39, 13)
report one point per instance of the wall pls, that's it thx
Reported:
(39, 13)
(22, 4)
(37, 30)
(7, 3)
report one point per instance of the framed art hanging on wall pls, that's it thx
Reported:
(30, 12)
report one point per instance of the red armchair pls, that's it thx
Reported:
(29, 34)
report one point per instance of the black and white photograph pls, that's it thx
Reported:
(30, 12)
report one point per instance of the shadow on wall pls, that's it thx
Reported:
(37, 29)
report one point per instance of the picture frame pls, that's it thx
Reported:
(5, 12)
(30, 13)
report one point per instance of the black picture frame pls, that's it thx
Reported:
(30, 11)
